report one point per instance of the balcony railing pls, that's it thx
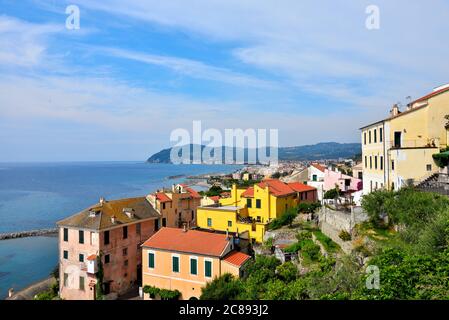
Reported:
(414, 143)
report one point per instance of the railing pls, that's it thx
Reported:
(414, 143)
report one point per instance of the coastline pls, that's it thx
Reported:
(30, 233)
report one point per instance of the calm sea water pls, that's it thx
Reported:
(35, 196)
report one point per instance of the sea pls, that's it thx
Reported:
(36, 195)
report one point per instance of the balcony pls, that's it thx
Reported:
(399, 143)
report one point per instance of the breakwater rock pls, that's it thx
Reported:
(30, 233)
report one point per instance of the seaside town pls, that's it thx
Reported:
(282, 231)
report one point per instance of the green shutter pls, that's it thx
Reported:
(208, 268)
(175, 264)
(151, 260)
(193, 266)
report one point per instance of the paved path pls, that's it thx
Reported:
(29, 292)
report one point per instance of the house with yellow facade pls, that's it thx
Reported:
(248, 211)
(398, 151)
(186, 260)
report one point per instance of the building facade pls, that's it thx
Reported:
(250, 210)
(398, 150)
(186, 260)
(107, 237)
(176, 206)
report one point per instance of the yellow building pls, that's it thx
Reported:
(398, 150)
(250, 210)
(186, 260)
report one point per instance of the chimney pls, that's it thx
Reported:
(113, 219)
(102, 200)
(394, 110)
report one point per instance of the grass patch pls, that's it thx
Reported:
(328, 244)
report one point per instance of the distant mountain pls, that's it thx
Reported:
(320, 151)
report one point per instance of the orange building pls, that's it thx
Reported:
(176, 206)
(185, 260)
(109, 233)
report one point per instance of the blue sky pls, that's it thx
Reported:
(136, 70)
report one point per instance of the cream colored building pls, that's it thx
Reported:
(398, 150)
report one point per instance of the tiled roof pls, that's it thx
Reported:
(319, 167)
(279, 188)
(300, 187)
(249, 193)
(236, 258)
(140, 208)
(192, 192)
(191, 241)
(162, 197)
(432, 94)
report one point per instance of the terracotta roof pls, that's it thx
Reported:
(248, 193)
(319, 167)
(300, 187)
(215, 198)
(92, 257)
(192, 192)
(424, 98)
(432, 94)
(191, 241)
(278, 188)
(98, 216)
(162, 197)
(236, 258)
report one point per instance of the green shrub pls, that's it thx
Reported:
(344, 235)
(332, 194)
(310, 250)
(308, 207)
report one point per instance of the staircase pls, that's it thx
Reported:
(438, 182)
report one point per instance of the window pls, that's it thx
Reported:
(392, 186)
(381, 162)
(66, 234)
(258, 203)
(81, 236)
(106, 237)
(164, 222)
(81, 257)
(125, 251)
(175, 263)
(364, 138)
(375, 162)
(66, 254)
(66, 279)
(125, 263)
(194, 266)
(229, 223)
(366, 162)
(249, 203)
(156, 225)
(125, 232)
(208, 268)
(370, 162)
(82, 283)
(107, 258)
(209, 222)
(381, 134)
(138, 228)
(375, 135)
(163, 205)
(314, 177)
(258, 219)
(377, 185)
(370, 137)
(151, 260)
(193, 215)
(397, 139)
(429, 167)
(392, 165)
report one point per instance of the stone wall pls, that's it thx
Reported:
(31, 233)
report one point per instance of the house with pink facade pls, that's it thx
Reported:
(102, 244)
(346, 184)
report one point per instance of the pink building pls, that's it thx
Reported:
(107, 235)
(344, 182)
